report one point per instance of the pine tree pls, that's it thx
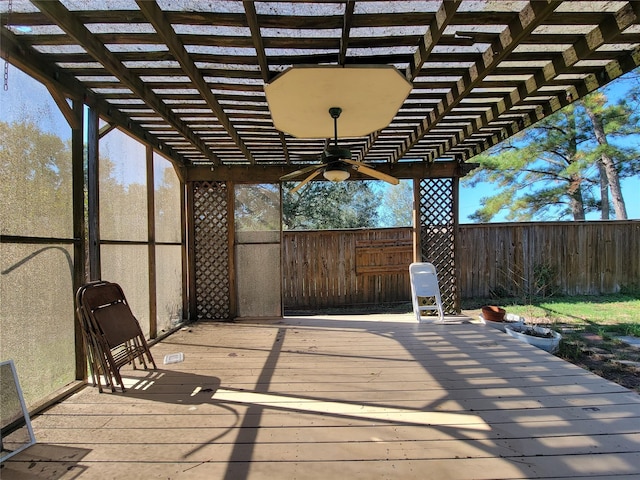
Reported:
(562, 167)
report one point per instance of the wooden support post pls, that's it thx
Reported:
(93, 195)
(231, 225)
(417, 249)
(191, 253)
(455, 195)
(187, 259)
(151, 231)
(79, 235)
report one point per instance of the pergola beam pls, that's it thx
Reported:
(431, 37)
(256, 39)
(39, 67)
(67, 111)
(346, 29)
(192, 82)
(258, 44)
(582, 49)
(272, 173)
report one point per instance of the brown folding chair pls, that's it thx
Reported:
(112, 333)
(97, 363)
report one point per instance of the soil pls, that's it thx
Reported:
(535, 332)
(606, 357)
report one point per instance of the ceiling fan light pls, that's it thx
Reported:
(336, 175)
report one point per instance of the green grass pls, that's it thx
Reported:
(602, 314)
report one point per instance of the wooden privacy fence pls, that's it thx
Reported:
(364, 267)
(334, 268)
(571, 258)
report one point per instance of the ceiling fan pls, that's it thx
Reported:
(336, 163)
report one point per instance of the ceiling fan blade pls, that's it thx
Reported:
(302, 171)
(305, 181)
(362, 168)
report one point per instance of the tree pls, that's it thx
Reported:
(551, 169)
(257, 207)
(123, 213)
(546, 157)
(37, 191)
(323, 205)
(609, 121)
(167, 202)
(397, 205)
(634, 91)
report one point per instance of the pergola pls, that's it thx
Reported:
(188, 80)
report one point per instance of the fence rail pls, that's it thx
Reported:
(337, 268)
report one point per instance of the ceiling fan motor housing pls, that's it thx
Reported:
(334, 152)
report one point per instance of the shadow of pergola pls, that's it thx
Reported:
(344, 395)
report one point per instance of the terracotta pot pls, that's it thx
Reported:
(493, 313)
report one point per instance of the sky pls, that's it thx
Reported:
(470, 200)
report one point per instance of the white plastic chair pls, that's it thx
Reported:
(424, 283)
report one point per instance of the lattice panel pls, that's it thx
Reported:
(437, 235)
(211, 237)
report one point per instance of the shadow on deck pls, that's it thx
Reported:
(357, 397)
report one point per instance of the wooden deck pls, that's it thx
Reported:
(353, 397)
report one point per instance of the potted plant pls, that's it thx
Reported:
(509, 319)
(493, 313)
(541, 337)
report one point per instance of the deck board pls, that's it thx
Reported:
(357, 397)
